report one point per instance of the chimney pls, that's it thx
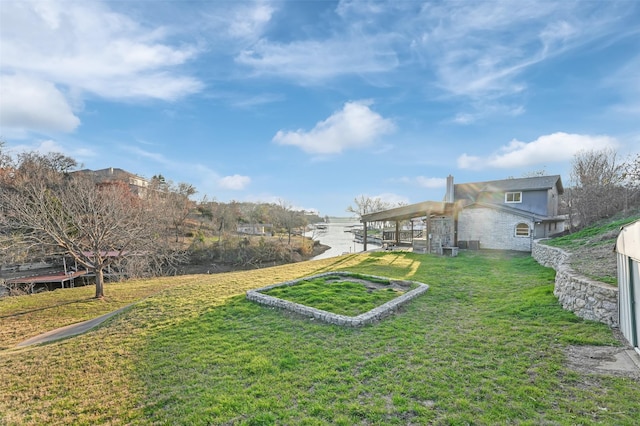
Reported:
(448, 197)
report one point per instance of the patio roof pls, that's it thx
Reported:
(425, 208)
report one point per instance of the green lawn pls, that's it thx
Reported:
(485, 345)
(336, 294)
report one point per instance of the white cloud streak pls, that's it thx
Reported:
(556, 147)
(355, 126)
(206, 178)
(313, 61)
(478, 49)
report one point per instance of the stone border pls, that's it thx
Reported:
(589, 299)
(370, 317)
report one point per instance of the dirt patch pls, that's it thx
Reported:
(604, 360)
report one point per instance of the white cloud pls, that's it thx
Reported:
(432, 182)
(235, 182)
(31, 103)
(355, 126)
(556, 147)
(84, 47)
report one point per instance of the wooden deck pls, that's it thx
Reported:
(53, 278)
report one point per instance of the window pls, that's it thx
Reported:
(522, 230)
(513, 197)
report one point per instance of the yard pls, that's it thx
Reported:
(487, 344)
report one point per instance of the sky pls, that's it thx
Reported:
(312, 104)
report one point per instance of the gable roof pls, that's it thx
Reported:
(470, 191)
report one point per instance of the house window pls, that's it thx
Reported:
(513, 197)
(522, 230)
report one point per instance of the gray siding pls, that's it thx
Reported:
(537, 202)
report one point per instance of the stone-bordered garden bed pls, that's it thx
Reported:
(372, 316)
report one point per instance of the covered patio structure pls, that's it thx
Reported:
(440, 225)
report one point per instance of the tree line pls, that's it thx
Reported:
(49, 209)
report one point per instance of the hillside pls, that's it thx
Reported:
(593, 248)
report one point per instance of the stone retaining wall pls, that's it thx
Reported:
(589, 299)
(370, 317)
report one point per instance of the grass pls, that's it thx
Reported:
(335, 294)
(485, 345)
(592, 248)
(601, 233)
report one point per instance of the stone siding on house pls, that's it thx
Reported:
(587, 298)
(494, 229)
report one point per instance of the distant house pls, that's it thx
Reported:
(254, 228)
(501, 214)
(509, 213)
(137, 184)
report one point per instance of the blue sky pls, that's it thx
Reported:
(314, 103)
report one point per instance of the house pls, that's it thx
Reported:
(254, 229)
(508, 213)
(137, 184)
(501, 214)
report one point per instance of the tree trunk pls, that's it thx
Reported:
(99, 283)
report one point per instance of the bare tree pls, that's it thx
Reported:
(175, 202)
(98, 225)
(365, 205)
(631, 177)
(597, 191)
(285, 217)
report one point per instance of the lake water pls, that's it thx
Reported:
(334, 236)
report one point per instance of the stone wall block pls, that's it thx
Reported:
(587, 298)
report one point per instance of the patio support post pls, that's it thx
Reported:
(397, 233)
(428, 232)
(411, 231)
(364, 241)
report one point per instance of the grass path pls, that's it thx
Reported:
(485, 345)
